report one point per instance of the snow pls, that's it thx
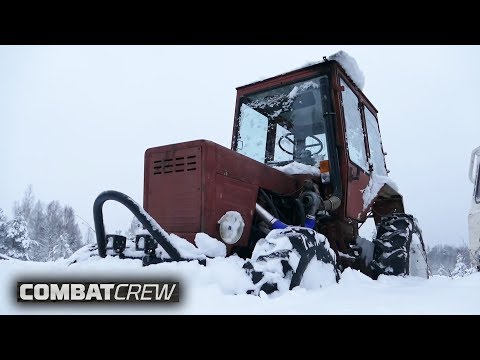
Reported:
(280, 99)
(417, 262)
(5, 257)
(186, 249)
(367, 247)
(317, 275)
(211, 289)
(298, 168)
(375, 183)
(293, 93)
(210, 246)
(349, 64)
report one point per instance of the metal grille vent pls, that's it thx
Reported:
(175, 165)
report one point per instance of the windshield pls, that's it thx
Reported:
(284, 124)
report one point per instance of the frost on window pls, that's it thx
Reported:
(252, 134)
(375, 145)
(354, 129)
(276, 125)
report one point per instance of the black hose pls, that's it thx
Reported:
(301, 212)
(139, 213)
(272, 206)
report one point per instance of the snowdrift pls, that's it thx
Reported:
(211, 289)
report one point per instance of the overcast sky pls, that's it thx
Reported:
(76, 120)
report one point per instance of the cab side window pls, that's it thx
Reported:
(354, 128)
(477, 190)
(375, 144)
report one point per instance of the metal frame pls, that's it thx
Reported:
(474, 174)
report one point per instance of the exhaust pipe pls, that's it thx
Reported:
(269, 218)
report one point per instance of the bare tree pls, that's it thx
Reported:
(53, 223)
(25, 206)
(37, 230)
(62, 234)
(70, 229)
(89, 237)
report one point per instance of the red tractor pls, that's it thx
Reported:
(306, 163)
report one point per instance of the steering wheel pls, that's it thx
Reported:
(286, 136)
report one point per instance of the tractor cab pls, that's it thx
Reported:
(319, 117)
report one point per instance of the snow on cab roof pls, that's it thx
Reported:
(347, 62)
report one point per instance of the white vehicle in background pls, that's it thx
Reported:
(474, 215)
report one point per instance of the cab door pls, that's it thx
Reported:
(474, 215)
(358, 170)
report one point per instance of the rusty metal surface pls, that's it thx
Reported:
(189, 186)
(173, 191)
(357, 181)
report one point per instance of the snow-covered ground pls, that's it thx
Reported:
(211, 290)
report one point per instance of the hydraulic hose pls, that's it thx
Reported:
(146, 220)
(277, 224)
(270, 203)
(301, 211)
